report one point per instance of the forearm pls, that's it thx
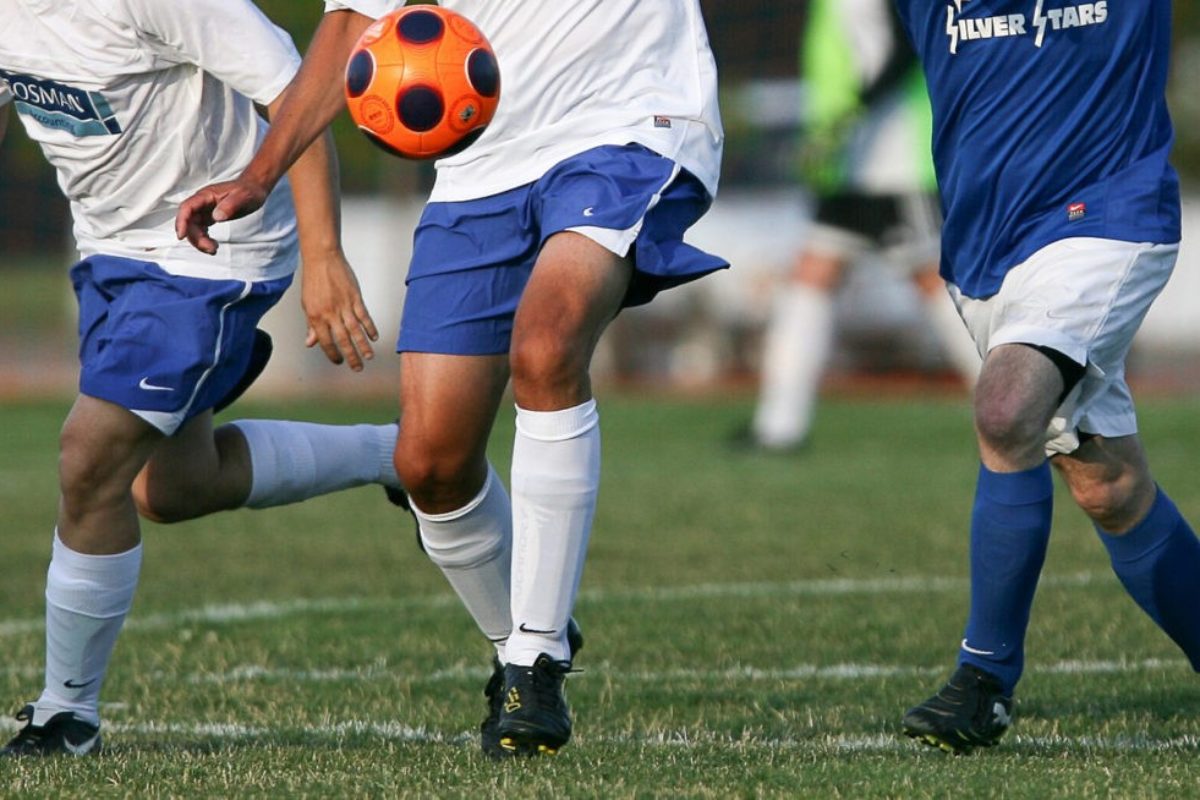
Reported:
(312, 101)
(314, 180)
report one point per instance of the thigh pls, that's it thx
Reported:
(447, 406)
(577, 287)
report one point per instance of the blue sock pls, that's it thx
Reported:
(1010, 528)
(1158, 562)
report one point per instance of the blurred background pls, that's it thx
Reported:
(706, 336)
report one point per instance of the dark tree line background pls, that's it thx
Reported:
(752, 39)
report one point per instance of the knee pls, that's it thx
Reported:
(547, 359)
(438, 480)
(85, 474)
(1006, 426)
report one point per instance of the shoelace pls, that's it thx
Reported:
(30, 734)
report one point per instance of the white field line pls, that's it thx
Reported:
(681, 739)
(273, 610)
(248, 673)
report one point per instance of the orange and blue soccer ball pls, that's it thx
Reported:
(422, 82)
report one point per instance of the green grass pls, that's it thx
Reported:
(756, 626)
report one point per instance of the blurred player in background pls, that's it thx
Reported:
(606, 147)
(866, 159)
(137, 104)
(1051, 140)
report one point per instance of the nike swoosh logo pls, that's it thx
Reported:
(150, 387)
(524, 629)
(973, 651)
(83, 748)
(72, 685)
(590, 211)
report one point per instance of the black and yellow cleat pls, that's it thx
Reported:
(534, 718)
(489, 729)
(970, 711)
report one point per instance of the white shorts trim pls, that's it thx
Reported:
(1086, 298)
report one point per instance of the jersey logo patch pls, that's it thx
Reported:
(1076, 211)
(962, 29)
(61, 107)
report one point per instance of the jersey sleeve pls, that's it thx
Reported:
(232, 40)
(368, 8)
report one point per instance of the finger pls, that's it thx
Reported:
(368, 324)
(310, 338)
(328, 347)
(199, 238)
(361, 343)
(345, 344)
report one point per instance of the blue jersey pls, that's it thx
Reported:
(1050, 121)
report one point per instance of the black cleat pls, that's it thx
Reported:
(535, 719)
(398, 497)
(969, 711)
(489, 730)
(63, 734)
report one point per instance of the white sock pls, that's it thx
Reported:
(555, 479)
(799, 338)
(293, 461)
(87, 598)
(954, 336)
(473, 548)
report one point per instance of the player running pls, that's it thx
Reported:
(866, 157)
(1051, 138)
(605, 149)
(137, 103)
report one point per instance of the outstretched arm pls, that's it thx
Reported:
(310, 104)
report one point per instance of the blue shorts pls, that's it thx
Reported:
(472, 259)
(163, 346)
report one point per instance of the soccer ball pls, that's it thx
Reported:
(422, 82)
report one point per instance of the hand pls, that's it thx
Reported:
(219, 202)
(337, 317)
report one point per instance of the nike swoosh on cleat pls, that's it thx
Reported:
(524, 629)
(83, 748)
(71, 685)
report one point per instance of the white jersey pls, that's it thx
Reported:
(580, 74)
(139, 103)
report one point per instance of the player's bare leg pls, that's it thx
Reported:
(93, 573)
(448, 405)
(576, 288)
(1153, 550)
(463, 512)
(259, 464)
(798, 341)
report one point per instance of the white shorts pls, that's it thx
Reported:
(1086, 298)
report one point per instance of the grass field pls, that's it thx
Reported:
(756, 627)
